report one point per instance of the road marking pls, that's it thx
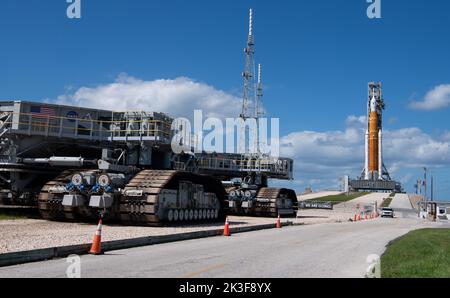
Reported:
(207, 269)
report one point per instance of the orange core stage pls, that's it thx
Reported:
(373, 142)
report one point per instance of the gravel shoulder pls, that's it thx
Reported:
(29, 234)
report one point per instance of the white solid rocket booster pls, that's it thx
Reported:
(366, 164)
(380, 155)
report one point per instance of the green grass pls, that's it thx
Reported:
(10, 217)
(419, 254)
(386, 202)
(336, 199)
(4, 216)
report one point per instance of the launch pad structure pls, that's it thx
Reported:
(375, 176)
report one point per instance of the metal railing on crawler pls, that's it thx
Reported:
(94, 129)
(272, 167)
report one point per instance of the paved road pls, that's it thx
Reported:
(401, 201)
(402, 206)
(323, 250)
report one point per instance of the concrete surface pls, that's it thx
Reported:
(322, 250)
(342, 212)
(23, 235)
(318, 195)
(402, 206)
(401, 201)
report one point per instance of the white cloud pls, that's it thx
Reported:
(437, 98)
(411, 147)
(333, 154)
(177, 97)
(446, 136)
(321, 158)
(356, 121)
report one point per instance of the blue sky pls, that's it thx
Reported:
(317, 55)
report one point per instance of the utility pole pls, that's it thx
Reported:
(425, 183)
(432, 188)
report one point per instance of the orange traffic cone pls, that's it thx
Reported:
(278, 225)
(226, 230)
(96, 248)
(356, 217)
(365, 217)
(359, 217)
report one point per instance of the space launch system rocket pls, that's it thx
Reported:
(374, 168)
(375, 176)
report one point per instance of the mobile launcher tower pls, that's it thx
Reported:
(375, 177)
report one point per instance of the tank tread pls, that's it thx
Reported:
(143, 209)
(271, 202)
(49, 205)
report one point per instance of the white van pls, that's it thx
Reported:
(443, 212)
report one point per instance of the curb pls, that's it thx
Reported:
(17, 258)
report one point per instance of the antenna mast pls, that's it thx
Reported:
(253, 90)
(249, 72)
(259, 94)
